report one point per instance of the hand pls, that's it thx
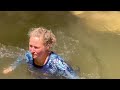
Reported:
(9, 69)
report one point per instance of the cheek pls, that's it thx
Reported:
(30, 49)
(39, 51)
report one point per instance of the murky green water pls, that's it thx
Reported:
(89, 40)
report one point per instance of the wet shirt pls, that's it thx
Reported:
(55, 67)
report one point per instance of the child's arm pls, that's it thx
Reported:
(19, 60)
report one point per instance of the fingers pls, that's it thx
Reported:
(5, 71)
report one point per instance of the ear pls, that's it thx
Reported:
(48, 47)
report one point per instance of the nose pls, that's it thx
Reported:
(32, 49)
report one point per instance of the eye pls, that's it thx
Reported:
(30, 45)
(36, 47)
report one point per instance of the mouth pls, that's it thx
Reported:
(34, 55)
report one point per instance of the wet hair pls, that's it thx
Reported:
(47, 35)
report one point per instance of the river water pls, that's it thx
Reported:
(89, 40)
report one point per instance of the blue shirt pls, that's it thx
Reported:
(55, 67)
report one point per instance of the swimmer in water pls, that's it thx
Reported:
(41, 57)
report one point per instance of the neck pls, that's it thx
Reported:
(42, 61)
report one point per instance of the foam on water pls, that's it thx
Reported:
(10, 51)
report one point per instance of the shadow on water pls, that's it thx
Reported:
(15, 24)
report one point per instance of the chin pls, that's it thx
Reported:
(34, 57)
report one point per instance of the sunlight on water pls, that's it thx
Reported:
(99, 33)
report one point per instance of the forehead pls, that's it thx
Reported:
(35, 41)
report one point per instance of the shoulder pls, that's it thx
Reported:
(58, 61)
(56, 58)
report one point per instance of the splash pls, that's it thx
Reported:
(10, 51)
(69, 45)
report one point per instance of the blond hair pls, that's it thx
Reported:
(47, 35)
